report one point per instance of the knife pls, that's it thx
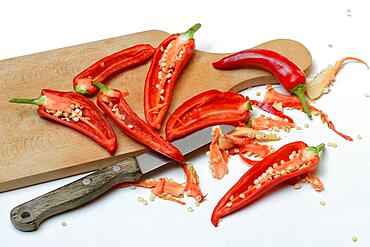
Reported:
(28, 216)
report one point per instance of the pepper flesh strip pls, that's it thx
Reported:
(292, 160)
(169, 59)
(116, 107)
(265, 123)
(192, 183)
(77, 112)
(209, 108)
(163, 188)
(218, 158)
(270, 109)
(105, 67)
(273, 96)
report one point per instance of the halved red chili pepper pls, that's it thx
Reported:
(290, 161)
(169, 59)
(77, 112)
(206, 109)
(99, 71)
(116, 107)
(291, 77)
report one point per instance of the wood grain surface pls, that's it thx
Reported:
(34, 150)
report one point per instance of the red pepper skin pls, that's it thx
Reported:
(290, 76)
(132, 125)
(206, 109)
(160, 80)
(246, 184)
(270, 109)
(92, 122)
(99, 71)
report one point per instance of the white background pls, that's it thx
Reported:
(284, 217)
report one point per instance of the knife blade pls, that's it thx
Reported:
(28, 216)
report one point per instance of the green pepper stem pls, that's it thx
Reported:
(316, 149)
(102, 87)
(190, 33)
(299, 92)
(36, 101)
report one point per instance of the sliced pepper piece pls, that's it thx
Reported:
(105, 67)
(77, 112)
(192, 183)
(290, 161)
(206, 109)
(320, 83)
(273, 96)
(116, 107)
(169, 59)
(264, 123)
(218, 158)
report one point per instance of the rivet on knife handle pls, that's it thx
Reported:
(28, 216)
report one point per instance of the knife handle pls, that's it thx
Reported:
(28, 216)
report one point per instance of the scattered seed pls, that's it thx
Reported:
(306, 125)
(367, 95)
(152, 198)
(133, 187)
(354, 239)
(242, 196)
(229, 204)
(130, 126)
(258, 93)
(359, 137)
(332, 144)
(330, 45)
(63, 223)
(75, 119)
(298, 128)
(297, 186)
(140, 199)
(145, 202)
(322, 203)
(197, 203)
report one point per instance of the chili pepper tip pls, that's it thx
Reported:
(190, 33)
(299, 92)
(36, 101)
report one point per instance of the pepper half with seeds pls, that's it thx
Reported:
(290, 161)
(169, 59)
(115, 106)
(77, 112)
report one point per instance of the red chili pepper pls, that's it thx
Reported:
(77, 112)
(291, 77)
(169, 59)
(290, 161)
(206, 109)
(115, 106)
(99, 71)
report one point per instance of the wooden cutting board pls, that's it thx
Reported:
(34, 150)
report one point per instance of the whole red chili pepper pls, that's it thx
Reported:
(108, 65)
(206, 109)
(77, 112)
(291, 77)
(169, 59)
(292, 160)
(116, 107)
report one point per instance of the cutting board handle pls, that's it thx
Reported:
(28, 216)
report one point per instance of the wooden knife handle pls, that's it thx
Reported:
(28, 216)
